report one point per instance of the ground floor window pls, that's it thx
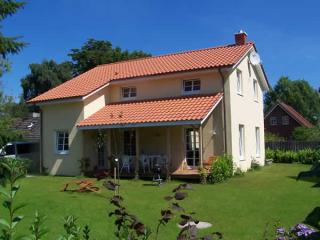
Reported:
(129, 142)
(241, 142)
(192, 140)
(257, 141)
(62, 142)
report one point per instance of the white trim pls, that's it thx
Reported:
(257, 68)
(132, 125)
(57, 101)
(61, 152)
(95, 91)
(184, 92)
(211, 110)
(243, 57)
(128, 98)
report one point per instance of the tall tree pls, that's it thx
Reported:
(45, 76)
(298, 94)
(95, 52)
(8, 45)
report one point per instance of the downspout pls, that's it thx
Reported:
(224, 112)
(40, 142)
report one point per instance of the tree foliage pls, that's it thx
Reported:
(9, 112)
(8, 45)
(96, 52)
(306, 134)
(45, 76)
(298, 94)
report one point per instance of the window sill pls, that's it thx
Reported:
(128, 98)
(258, 156)
(62, 152)
(240, 94)
(242, 159)
(191, 92)
(256, 101)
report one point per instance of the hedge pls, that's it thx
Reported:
(306, 156)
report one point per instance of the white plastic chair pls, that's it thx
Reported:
(125, 163)
(145, 163)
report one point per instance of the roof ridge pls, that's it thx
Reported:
(175, 53)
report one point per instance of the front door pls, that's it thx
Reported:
(192, 148)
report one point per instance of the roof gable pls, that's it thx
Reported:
(292, 113)
(86, 83)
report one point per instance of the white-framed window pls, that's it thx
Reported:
(273, 121)
(255, 90)
(62, 142)
(241, 142)
(258, 148)
(192, 86)
(128, 92)
(239, 82)
(285, 120)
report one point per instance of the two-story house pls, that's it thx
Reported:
(175, 110)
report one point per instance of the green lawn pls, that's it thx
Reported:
(239, 208)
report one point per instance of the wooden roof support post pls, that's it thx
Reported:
(168, 150)
(109, 150)
(137, 158)
(201, 145)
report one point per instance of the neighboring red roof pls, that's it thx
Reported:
(97, 77)
(297, 116)
(188, 108)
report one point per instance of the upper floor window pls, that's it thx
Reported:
(285, 120)
(239, 82)
(249, 68)
(255, 90)
(62, 142)
(129, 92)
(190, 86)
(273, 121)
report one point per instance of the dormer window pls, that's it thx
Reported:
(129, 92)
(191, 86)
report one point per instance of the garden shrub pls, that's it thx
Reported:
(221, 169)
(306, 156)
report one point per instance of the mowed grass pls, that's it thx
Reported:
(239, 208)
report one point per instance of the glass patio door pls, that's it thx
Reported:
(192, 141)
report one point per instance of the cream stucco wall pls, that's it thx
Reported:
(244, 109)
(62, 117)
(167, 86)
(212, 134)
(94, 103)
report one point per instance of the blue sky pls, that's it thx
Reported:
(286, 33)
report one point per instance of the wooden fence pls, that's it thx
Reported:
(292, 145)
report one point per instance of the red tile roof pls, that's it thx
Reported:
(188, 108)
(297, 116)
(97, 77)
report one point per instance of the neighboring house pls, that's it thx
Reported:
(29, 147)
(282, 119)
(30, 127)
(177, 110)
